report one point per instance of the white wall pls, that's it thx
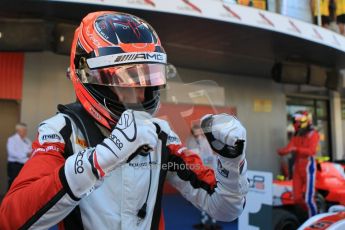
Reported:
(46, 85)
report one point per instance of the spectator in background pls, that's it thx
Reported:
(340, 13)
(333, 18)
(323, 10)
(19, 151)
(197, 142)
(304, 146)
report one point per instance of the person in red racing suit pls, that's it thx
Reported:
(101, 163)
(304, 145)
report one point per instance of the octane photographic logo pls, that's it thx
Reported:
(142, 2)
(257, 183)
(188, 5)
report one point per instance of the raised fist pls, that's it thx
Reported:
(133, 131)
(225, 134)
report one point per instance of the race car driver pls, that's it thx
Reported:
(101, 162)
(304, 145)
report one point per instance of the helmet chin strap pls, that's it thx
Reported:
(105, 105)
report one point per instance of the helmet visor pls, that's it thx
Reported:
(132, 75)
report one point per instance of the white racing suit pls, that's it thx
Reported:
(41, 197)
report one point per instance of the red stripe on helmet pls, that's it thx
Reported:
(83, 41)
(92, 106)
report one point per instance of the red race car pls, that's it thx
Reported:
(330, 190)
